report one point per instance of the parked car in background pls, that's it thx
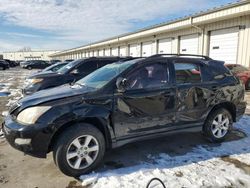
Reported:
(68, 60)
(55, 67)
(72, 72)
(241, 72)
(3, 65)
(126, 102)
(50, 69)
(11, 62)
(53, 61)
(34, 64)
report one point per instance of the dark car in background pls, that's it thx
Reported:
(68, 60)
(55, 67)
(50, 69)
(126, 102)
(72, 72)
(34, 64)
(54, 61)
(3, 65)
(11, 62)
(241, 72)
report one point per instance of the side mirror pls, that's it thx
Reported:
(121, 84)
(75, 71)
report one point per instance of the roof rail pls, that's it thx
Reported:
(183, 55)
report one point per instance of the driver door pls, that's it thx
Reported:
(148, 103)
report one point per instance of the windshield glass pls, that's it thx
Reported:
(102, 76)
(66, 68)
(237, 68)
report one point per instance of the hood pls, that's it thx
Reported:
(60, 92)
(46, 74)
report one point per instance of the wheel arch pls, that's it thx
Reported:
(228, 106)
(96, 122)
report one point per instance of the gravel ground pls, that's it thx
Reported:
(18, 170)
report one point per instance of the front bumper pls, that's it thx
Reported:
(31, 140)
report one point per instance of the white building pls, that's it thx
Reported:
(222, 33)
(30, 55)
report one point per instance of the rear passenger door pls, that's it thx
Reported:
(191, 94)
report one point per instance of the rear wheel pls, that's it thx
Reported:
(218, 125)
(29, 67)
(79, 150)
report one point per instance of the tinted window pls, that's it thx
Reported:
(217, 70)
(150, 76)
(187, 73)
(102, 63)
(87, 67)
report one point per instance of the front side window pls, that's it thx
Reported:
(104, 75)
(187, 73)
(150, 76)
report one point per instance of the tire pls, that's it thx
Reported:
(2, 68)
(29, 67)
(71, 154)
(218, 125)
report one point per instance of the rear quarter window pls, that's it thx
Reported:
(216, 71)
(187, 73)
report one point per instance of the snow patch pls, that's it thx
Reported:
(201, 167)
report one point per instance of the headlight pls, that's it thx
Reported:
(31, 115)
(34, 81)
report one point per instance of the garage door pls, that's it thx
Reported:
(147, 49)
(189, 44)
(107, 52)
(224, 45)
(95, 53)
(165, 46)
(133, 50)
(123, 51)
(114, 51)
(101, 52)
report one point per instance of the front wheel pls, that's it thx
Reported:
(79, 150)
(218, 125)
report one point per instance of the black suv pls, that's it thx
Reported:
(34, 64)
(72, 72)
(3, 65)
(125, 102)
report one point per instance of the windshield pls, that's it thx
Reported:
(69, 66)
(102, 76)
(237, 68)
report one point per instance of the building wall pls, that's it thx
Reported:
(203, 25)
(42, 55)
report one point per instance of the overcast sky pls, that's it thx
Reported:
(62, 24)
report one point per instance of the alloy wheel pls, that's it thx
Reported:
(220, 125)
(82, 152)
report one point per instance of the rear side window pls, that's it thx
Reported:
(218, 71)
(87, 67)
(187, 73)
(102, 63)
